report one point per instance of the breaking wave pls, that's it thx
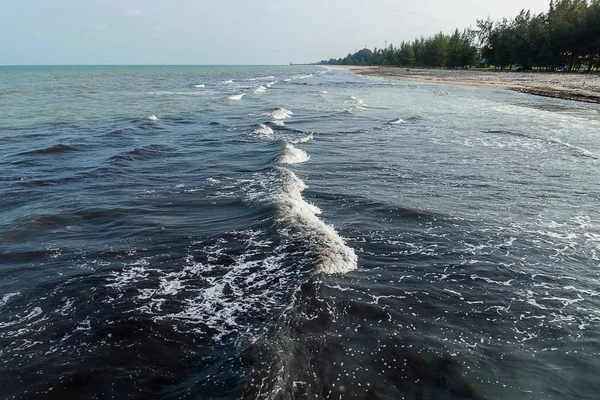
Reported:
(304, 139)
(281, 113)
(292, 155)
(300, 220)
(237, 97)
(262, 129)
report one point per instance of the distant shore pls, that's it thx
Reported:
(577, 87)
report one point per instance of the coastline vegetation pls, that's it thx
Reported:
(565, 38)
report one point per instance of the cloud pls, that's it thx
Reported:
(100, 27)
(134, 11)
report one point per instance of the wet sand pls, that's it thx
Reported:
(577, 87)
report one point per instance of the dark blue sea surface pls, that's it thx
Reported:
(294, 232)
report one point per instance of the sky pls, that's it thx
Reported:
(221, 32)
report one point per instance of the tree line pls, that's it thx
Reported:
(567, 36)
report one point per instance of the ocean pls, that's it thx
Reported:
(294, 232)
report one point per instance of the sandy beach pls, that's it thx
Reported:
(577, 87)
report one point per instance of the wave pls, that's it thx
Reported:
(260, 89)
(359, 103)
(228, 82)
(262, 129)
(300, 218)
(397, 121)
(292, 155)
(303, 139)
(271, 83)
(262, 78)
(200, 85)
(579, 150)
(152, 118)
(323, 92)
(281, 113)
(237, 97)
(140, 153)
(56, 149)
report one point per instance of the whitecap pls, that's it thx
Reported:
(262, 129)
(200, 85)
(152, 118)
(292, 155)
(228, 82)
(397, 121)
(260, 89)
(303, 139)
(580, 150)
(261, 78)
(281, 114)
(324, 92)
(293, 212)
(237, 97)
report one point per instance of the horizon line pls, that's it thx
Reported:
(152, 65)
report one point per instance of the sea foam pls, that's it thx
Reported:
(262, 129)
(237, 97)
(301, 220)
(292, 155)
(303, 139)
(281, 113)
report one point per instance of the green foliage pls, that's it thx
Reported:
(567, 36)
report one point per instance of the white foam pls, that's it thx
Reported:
(281, 114)
(237, 97)
(397, 121)
(292, 155)
(261, 78)
(581, 150)
(260, 89)
(262, 129)
(333, 255)
(200, 85)
(153, 118)
(7, 297)
(228, 82)
(303, 139)
(358, 102)
(324, 92)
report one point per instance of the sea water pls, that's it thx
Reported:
(294, 231)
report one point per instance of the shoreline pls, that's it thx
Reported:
(575, 87)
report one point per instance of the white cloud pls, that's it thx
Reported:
(100, 27)
(134, 11)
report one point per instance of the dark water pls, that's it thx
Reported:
(323, 236)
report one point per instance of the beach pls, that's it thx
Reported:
(577, 87)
